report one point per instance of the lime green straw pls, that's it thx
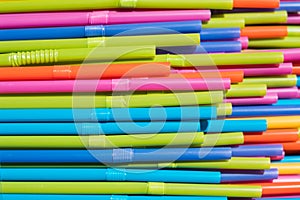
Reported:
(203, 60)
(287, 42)
(102, 141)
(242, 163)
(157, 40)
(55, 5)
(276, 17)
(273, 81)
(77, 55)
(247, 90)
(150, 188)
(294, 31)
(224, 23)
(224, 109)
(222, 139)
(103, 101)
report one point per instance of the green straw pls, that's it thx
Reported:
(224, 109)
(239, 163)
(287, 42)
(224, 23)
(273, 81)
(76, 55)
(56, 5)
(203, 60)
(106, 101)
(222, 139)
(247, 90)
(294, 31)
(150, 188)
(276, 17)
(104, 142)
(157, 40)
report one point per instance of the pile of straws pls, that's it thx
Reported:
(150, 100)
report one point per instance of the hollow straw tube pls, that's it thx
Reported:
(157, 40)
(105, 142)
(276, 17)
(85, 71)
(291, 6)
(265, 32)
(290, 159)
(151, 188)
(43, 174)
(259, 4)
(212, 140)
(121, 101)
(287, 42)
(115, 155)
(283, 93)
(76, 55)
(114, 85)
(224, 23)
(102, 197)
(102, 30)
(293, 31)
(293, 19)
(247, 90)
(115, 114)
(273, 136)
(97, 128)
(265, 175)
(57, 19)
(273, 82)
(270, 98)
(287, 179)
(248, 111)
(273, 189)
(288, 102)
(287, 168)
(211, 34)
(202, 60)
(264, 150)
(290, 55)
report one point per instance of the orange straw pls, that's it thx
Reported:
(256, 4)
(264, 32)
(273, 136)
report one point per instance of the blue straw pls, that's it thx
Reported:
(266, 150)
(102, 30)
(98, 128)
(287, 102)
(108, 115)
(290, 159)
(101, 197)
(292, 6)
(70, 174)
(220, 34)
(114, 156)
(298, 81)
(254, 111)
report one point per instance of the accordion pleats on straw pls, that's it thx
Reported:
(150, 100)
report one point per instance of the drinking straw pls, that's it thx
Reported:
(244, 41)
(287, 102)
(293, 31)
(204, 60)
(224, 23)
(114, 85)
(115, 155)
(278, 198)
(296, 70)
(57, 19)
(195, 139)
(276, 189)
(273, 136)
(287, 42)
(281, 69)
(293, 19)
(292, 6)
(122, 175)
(247, 90)
(117, 100)
(291, 147)
(102, 197)
(287, 168)
(157, 40)
(101, 30)
(290, 55)
(264, 32)
(150, 188)
(85, 71)
(249, 111)
(276, 17)
(205, 47)
(259, 4)
(51, 56)
(290, 159)
(212, 34)
(273, 82)
(234, 75)
(270, 98)
(287, 179)
(298, 81)
(265, 175)
(233, 126)
(282, 93)
(115, 114)
(260, 150)
(106, 142)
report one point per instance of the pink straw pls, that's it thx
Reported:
(287, 179)
(27, 20)
(285, 93)
(269, 98)
(147, 84)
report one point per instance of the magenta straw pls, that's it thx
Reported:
(287, 179)
(285, 93)
(269, 98)
(10, 87)
(56, 19)
(293, 19)
(244, 41)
